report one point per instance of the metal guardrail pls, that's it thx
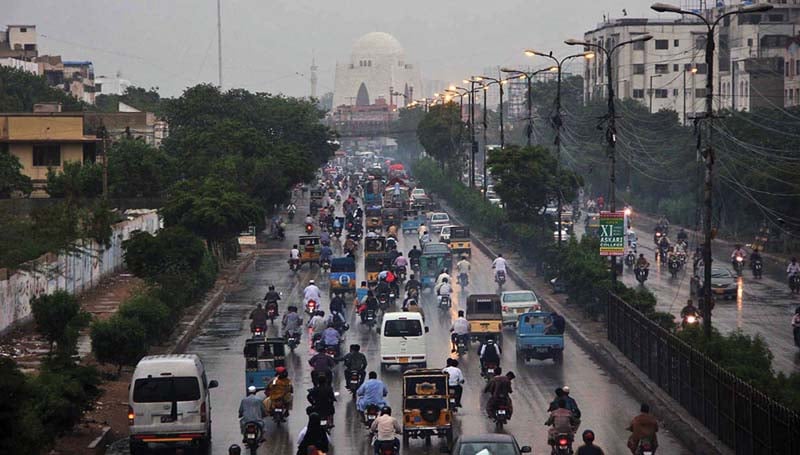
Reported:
(742, 417)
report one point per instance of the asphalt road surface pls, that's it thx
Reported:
(762, 306)
(606, 407)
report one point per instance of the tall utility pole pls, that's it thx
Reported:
(652, 76)
(219, 41)
(473, 142)
(611, 130)
(708, 152)
(528, 76)
(485, 148)
(557, 122)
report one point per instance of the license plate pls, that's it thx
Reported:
(279, 411)
(167, 419)
(501, 412)
(541, 349)
(520, 310)
(403, 359)
(323, 422)
(251, 436)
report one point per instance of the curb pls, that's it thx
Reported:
(689, 430)
(99, 445)
(211, 304)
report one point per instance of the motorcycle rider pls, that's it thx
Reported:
(443, 275)
(682, 236)
(385, 427)
(321, 366)
(292, 322)
(500, 389)
(414, 254)
(663, 244)
(309, 219)
(499, 265)
(251, 409)
(463, 268)
(444, 289)
(321, 398)
(697, 259)
(642, 263)
(331, 338)
(562, 394)
(355, 360)
(755, 257)
(796, 326)
(294, 254)
(372, 392)
(689, 309)
(361, 294)
(455, 379)
(400, 262)
(588, 447)
(338, 308)
(279, 392)
(317, 324)
(489, 352)
(325, 253)
(738, 252)
(561, 421)
(643, 426)
(632, 239)
(792, 269)
(460, 328)
(370, 303)
(312, 292)
(259, 318)
(413, 283)
(271, 295)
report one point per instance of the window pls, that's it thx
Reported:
(638, 68)
(675, 68)
(47, 155)
(661, 93)
(30, 47)
(702, 68)
(662, 69)
(786, 67)
(662, 44)
(166, 390)
(700, 93)
(749, 42)
(23, 30)
(638, 93)
(675, 92)
(700, 42)
(775, 18)
(676, 43)
(403, 328)
(797, 67)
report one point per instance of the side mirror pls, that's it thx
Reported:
(525, 449)
(378, 330)
(427, 329)
(213, 384)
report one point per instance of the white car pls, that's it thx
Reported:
(515, 303)
(444, 234)
(438, 220)
(418, 193)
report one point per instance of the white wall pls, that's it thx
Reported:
(74, 272)
(29, 67)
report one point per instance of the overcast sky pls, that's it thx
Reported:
(268, 44)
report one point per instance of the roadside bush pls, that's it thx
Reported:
(119, 341)
(22, 433)
(152, 314)
(59, 318)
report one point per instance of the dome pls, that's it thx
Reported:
(377, 43)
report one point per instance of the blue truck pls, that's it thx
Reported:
(537, 339)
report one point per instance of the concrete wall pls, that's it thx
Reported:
(24, 151)
(74, 272)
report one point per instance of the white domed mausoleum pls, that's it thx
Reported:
(376, 68)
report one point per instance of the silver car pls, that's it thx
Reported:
(515, 303)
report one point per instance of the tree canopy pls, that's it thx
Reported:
(441, 132)
(11, 178)
(20, 90)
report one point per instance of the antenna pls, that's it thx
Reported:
(313, 75)
(219, 41)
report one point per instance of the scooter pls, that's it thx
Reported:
(758, 268)
(445, 302)
(279, 415)
(461, 345)
(691, 320)
(501, 416)
(463, 279)
(500, 278)
(309, 228)
(252, 437)
(354, 380)
(370, 414)
(294, 265)
(641, 275)
(293, 340)
(630, 259)
(738, 265)
(257, 331)
(369, 317)
(400, 271)
(311, 307)
(674, 265)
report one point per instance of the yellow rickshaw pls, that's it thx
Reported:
(317, 194)
(374, 264)
(310, 247)
(460, 241)
(426, 405)
(374, 218)
(485, 316)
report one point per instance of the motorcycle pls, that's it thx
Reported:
(758, 268)
(383, 300)
(691, 320)
(444, 302)
(290, 215)
(645, 447)
(279, 233)
(661, 253)
(370, 414)
(463, 279)
(630, 259)
(501, 416)
(562, 444)
(370, 317)
(309, 228)
(258, 332)
(461, 345)
(738, 265)
(794, 283)
(641, 274)
(279, 415)
(487, 370)
(500, 278)
(252, 437)
(674, 265)
(400, 271)
(387, 448)
(354, 380)
(326, 265)
(415, 265)
(294, 265)
(337, 231)
(327, 422)
(272, 311)
(293, 340)
(311, 307)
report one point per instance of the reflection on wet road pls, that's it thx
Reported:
(606, 407)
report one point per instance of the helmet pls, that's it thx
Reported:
(386, 410)
(251, 389)
(280, 370)
(271, 287)
(234, 450)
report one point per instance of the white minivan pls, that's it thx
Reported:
(403, 340)
(169, 403)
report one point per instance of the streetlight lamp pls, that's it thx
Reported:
(708, 152)
(528, 76)
(693, 70)
(473, 143)
(500, 83)
(557, 122)
(611, 132)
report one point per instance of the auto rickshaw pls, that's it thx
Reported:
(412, 220)
(426, 406)
(342, 277)
(430, 266)
(485, 317)
(374, 245)
(374, 218)
(262, 357)
(317, 194)
(391, 215)
(374, 264)
(310, 247)
(460, 240)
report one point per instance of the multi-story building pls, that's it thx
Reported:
(791, 89)
(667, 72)
(19, 41)
(79, 80)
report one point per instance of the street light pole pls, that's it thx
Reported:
(611, 131)
(528, 75)
(708, 152)
(651, 90)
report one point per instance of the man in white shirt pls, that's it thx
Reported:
(463, 267)
(454, 379)
(295, 253)
(444, 289)
(312, 292)
(793, 268)
(460, 328)
(499, 264)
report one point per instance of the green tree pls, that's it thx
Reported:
(11, 177)
(59, 318)
(173, 250)
(442, 133)
(153, 314)
(76, 181)
(405, 130)
(136, 169)
(119, 341)
(20, 90)
(22, 432)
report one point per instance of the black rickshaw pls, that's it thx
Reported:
(374, 217)
(317, 194)
(374, 264)
(391, 216)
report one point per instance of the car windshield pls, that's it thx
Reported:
(403, 328)
(519, 297)
(441, 218)
(161, 390)
(487, 448)
(720, 273)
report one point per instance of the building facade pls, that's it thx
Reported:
(377, 69)
(19, 42)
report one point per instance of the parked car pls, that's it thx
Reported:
(418, 193)
(515, 303)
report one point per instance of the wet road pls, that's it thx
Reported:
(606, 407)
(762, 306)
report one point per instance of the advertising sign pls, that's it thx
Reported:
(612, 233)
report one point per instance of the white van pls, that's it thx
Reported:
(169, 403)
(403, 340)
(437, 221)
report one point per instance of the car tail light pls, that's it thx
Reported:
(131, 415)
(203, 413)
